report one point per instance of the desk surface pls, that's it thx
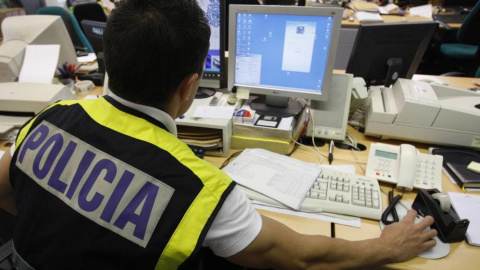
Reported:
(392, 19)
(461, 254)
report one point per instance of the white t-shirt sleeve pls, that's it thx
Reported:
(236, 225)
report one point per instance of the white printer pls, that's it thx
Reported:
(21, 101)
(422, 112)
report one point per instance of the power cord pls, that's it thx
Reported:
(392, 202)
(225, 163)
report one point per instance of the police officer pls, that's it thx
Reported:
(105, 183)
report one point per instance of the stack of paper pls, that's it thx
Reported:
(364, 6)
(368, 17)
(284, 179)
(206, 138)
(466, 206)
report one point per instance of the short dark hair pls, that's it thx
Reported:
(150, 46)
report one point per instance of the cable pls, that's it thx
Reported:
(351, 142)
(392, 202)
(310, 118)
(358, 161)
(225, 163)
(318, 153)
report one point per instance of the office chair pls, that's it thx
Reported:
(89, 11)
(79, 39)
(466, 50)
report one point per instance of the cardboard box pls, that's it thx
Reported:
(8, 12)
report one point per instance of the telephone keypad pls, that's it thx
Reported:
(428, 172)
(383, 167)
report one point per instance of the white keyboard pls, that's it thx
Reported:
(339, 193)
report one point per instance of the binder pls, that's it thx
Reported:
(456, 161)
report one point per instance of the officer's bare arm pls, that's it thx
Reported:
(279, 247)
(7, 200)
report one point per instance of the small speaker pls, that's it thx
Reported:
(330, 117)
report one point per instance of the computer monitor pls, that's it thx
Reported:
(384, 52)
(283, 53)
(214, 69)
(20, 31)
(94, 33)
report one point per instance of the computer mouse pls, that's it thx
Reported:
(351, 19)
(440, 250)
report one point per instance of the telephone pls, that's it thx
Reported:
(404, 166)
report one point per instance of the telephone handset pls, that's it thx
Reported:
(407, 166)
(404, 166)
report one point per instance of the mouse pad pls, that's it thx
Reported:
(440, 250)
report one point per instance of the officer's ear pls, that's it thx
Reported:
(188, 87)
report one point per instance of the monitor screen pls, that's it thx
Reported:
(385, 52)
(20, 31)
(283, 52)
(214, 69)
(94, 33)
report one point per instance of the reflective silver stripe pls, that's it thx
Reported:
(18, 262)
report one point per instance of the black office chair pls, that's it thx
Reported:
(465, 52)
(77, 36)
(89, 11)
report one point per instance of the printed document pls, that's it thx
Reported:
(279, 177)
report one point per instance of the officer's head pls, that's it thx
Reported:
(150, 46)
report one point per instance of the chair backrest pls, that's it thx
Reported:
(469, 31)
(73, 28)
(89, 11)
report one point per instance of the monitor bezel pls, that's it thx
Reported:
(214, 79)
(335, 12)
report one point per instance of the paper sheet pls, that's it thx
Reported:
(466, 206)
(222, 112)
(363, 16)
(39, 63)
(88, 58)
(422, 11)
(348, 221)
(282, 178)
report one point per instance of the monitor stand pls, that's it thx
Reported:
(276, 106)
(203, 92)
(394, 69)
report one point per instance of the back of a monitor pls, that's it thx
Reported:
(20, 31)
(94, 32)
